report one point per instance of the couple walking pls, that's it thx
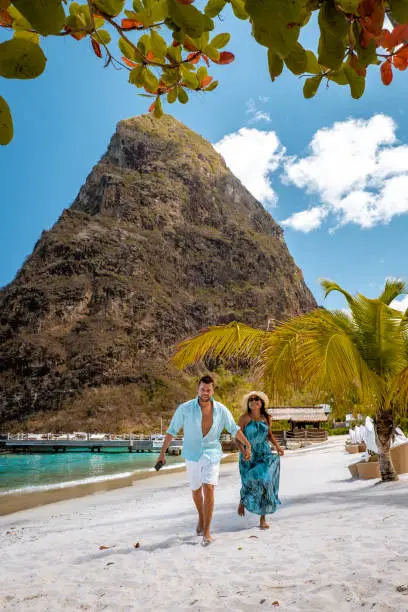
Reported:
(203, 421)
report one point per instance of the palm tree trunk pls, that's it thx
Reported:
(384, 430)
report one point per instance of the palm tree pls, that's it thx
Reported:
(357, 357)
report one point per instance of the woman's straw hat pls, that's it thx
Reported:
(250, 394)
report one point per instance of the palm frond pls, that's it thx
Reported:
(232, 340)
(379, 335)
(330, 286)
(398, 395)
(393, 288)
(315, 351)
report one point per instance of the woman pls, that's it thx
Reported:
(260, 475)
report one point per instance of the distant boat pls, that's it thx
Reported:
(175, 445)
(157, 441)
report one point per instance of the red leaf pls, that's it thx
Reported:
(175, 43)
(194, 58)
(5, 19)
(151, 107)
(386, 72)
(76, 35)
(365, 37)
(225, 58)
(398, 35)
(129, 62)
(366, 7)
(150, 56)
(383, 39)
(96, 47)
(207, 61)
(137, 545)
(400, 59)
(185, 1)
(131, 24)
(353, 61)
(104, 547)
(372, 13)
(206, 81)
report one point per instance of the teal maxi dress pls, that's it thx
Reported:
(260, 475)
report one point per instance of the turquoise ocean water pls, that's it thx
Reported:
(21, 473)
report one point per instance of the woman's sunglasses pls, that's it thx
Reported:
(254, 398)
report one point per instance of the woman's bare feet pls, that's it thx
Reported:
(199, 529)
(241, 509)
(263, 524)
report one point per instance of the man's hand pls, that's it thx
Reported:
(162, 458)
(247, 453)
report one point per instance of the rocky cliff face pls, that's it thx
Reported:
(161, 241)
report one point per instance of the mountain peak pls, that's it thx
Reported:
(161, 241)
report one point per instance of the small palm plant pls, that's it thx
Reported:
(355, 357)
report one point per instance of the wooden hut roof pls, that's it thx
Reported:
(298, 414)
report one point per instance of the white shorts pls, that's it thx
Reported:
(202, 471)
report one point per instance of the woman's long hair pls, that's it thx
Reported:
(263, 410)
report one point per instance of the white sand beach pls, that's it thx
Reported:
(333, 544)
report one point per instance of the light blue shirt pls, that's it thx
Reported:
(189, 416)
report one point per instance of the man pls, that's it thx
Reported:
(203, 421)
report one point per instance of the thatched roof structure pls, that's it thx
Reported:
(298, 414)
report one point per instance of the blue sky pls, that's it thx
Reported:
(350, 187)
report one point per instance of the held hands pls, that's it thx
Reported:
(280, 450)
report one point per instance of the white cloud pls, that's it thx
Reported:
(307, 220)
(252, 155)
(256, 114)
(357, 169)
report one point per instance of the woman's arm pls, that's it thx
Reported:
(275, 443)
(241, 445)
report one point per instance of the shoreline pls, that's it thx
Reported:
(16, 502)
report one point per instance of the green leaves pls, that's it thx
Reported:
(190, 79)
(127, 50)
(45, 16)
(276, 29)
(311, 86)
(182, 95)
(357, 83)
(172, 95)
(296, 61)
(6, 123)
(157, 44)
(151, 82)
(220, 40)
(238, 7)
(275, 64)
(110, 7)
(312, 65)
(214, 7)
(21, 59)
(399, 10)
(103, 37)
(333, 32)
(189, 19)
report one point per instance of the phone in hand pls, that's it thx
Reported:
(158, 465)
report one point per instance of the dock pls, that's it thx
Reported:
(64, 444)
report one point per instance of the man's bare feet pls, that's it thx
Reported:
(241, 509)
(263, 524)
